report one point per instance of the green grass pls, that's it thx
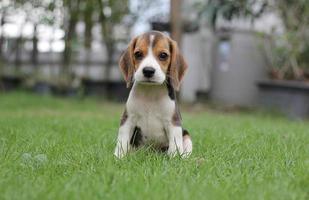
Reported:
(63, 149)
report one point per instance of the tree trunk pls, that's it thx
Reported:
(107, 35)
(68, 45)
(67, 53)
(35, 52)
(88, 13)
(52, 66)
(110, 47)
(2, 22)
(19, 49)
(176, 24)
(73, 11)
(18, 53)
(2, 35)
(176, 20)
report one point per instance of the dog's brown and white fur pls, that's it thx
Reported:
(153, 68)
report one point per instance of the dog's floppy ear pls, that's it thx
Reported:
(126, 63)
(178, 65)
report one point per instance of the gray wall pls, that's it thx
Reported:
(230, 80)
(197, 50)
(234, 80)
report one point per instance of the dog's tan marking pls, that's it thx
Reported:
(141, 46)
(161, 45)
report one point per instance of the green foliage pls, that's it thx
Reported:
(63, 149)
(111, 14)
(229, 9)
(67, 13)
(290, 49)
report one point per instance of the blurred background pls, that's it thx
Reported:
(245, 53)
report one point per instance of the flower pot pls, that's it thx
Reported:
(64, 91)
(113, 90)
(9, 83)
(42, 88)
(289, 97)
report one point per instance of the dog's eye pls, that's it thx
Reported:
(138, 55)
(163, 56)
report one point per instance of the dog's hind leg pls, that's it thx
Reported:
(187, 144)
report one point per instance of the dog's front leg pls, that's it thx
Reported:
(175, 141)
(123, 140)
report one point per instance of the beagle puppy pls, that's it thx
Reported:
(153, 68)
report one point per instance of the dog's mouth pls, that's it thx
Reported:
(149, 82)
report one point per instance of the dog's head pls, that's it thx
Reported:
(153, 58)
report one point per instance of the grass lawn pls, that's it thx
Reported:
(63, 149)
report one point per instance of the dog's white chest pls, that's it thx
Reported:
(152, 116)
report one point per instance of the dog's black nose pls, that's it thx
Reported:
(148, 72)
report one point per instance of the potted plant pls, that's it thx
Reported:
(287, 88)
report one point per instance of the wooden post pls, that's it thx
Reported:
(176, 20)
(176, 25)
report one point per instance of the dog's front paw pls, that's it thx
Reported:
(172, 152)
(119, 153)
